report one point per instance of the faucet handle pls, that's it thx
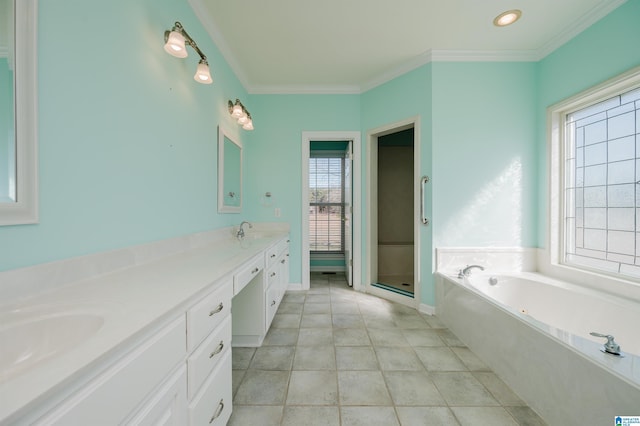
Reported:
(611, 346)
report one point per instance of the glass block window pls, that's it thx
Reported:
(602, 185)
(326, 204)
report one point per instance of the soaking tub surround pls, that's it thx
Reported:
(533, 331)
(61, 321)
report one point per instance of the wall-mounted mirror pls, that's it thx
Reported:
(18, 112)
(229, 173)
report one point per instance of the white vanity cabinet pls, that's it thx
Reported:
(124, 387)
(277, 259)
(163, 358)
(179, 375)
(261, 284)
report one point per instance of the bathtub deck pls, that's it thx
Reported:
(338, 357)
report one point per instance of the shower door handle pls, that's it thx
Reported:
(423, 217)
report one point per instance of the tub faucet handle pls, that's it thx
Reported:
(611, 346)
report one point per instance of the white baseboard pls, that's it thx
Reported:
(295, 287)
(427, 309)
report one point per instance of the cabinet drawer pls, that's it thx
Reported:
(208, 355)
(207, 314)
(272, 255)
(273, 274)
(212, 405)
(247, 273)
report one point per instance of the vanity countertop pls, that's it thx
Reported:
(124, 304)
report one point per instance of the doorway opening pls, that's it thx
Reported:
(331, 205)
(393, 210)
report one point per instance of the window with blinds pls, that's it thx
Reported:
(326, 204)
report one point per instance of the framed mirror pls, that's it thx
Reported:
(18, 112)
(229, 173)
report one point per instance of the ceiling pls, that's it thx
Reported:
(349, 46)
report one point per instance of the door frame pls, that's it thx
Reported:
(356, 225)
(371, 230)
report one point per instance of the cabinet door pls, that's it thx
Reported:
(271, 301)
(119, 390)
(213, 404)
(168, 407)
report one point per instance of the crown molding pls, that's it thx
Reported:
(585, 21)
(219, 40)
(304, 90)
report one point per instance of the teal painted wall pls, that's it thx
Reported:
(609, 47)
(127, 138)
(274, 155)
(484, 159)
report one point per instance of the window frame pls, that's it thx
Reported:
(556, 116)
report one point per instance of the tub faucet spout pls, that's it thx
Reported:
(467, 271)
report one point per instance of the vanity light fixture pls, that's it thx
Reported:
(239, 112)
(507, 18)
(175, 44)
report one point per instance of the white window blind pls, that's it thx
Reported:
(326, 204)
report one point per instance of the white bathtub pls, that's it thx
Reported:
(534, 333)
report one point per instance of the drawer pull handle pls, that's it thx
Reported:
(282, 261)
(273, 274)
(218, 349)
(273, 302)
(217, 310)
(273, 255)
(218, 411)
(255, 270)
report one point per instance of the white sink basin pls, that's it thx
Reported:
(30, 341)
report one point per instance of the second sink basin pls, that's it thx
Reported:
(30, 341)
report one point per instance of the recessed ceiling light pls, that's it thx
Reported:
(507, 18)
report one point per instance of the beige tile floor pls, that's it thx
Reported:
(334, 356)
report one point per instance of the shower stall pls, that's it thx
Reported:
(395, 213)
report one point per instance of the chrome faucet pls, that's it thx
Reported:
(611, 346)
(240, 233)
(467, 271)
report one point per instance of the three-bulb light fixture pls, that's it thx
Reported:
(176, 42)
(239, 112)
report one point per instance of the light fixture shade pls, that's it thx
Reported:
(175, 45)
(237, 112)
(202, 74)
(248, 125)
(243, 120)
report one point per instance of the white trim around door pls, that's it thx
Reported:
(371, 232)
